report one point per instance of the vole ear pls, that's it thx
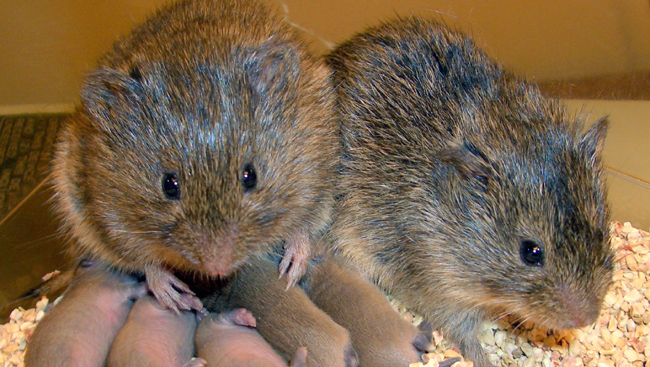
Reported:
(107, 90)
(593, 142)
(272, 67)
(471, 163)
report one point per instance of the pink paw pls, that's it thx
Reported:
(296, 258)
(240, 317)
(170, 291)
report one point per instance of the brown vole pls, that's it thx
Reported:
(80, 328)
(464, 191)
(205, 136)
(380, 336)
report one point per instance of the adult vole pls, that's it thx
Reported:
(463, 191)
(205, 136)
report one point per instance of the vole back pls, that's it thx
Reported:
(463, 190)
(204, 137)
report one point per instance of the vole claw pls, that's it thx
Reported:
(170, 291)
(296, 257)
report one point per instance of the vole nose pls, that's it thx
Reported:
(580, 309)
(217, 252)
(218, 267)
(579, 321)
(217, 258)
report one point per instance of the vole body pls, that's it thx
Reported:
(463, 190)
(204, 137)
(380, 336)
(156, 337)
(79, 330)
(230, 340)
(286, 320)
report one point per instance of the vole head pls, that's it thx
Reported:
(201, 162)
(533, 217)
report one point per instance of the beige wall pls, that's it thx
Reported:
(47, 46)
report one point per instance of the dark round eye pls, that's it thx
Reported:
(531, 253)
(170, 186)
(249, 177)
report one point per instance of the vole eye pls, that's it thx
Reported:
(170, 186)
(531, 253)
(249, 177)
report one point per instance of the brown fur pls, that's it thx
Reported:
(449, 165)
(202, 89)
(287, 320)
(380, 336)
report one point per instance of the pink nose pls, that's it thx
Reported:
(579, 311)
(217, 273)
(579, 321)
(218, 266)
(217, 270)
(216, 253)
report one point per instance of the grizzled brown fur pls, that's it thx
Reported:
(464, 191)
(203, 93)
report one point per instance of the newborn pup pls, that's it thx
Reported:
(80, 328)
(287, 320)
(206, 136)
(230, 340)
(155, 336)
(380, 336)
(464, 191)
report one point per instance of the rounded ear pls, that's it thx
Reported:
(471, 164)
(272, 67)
(593, 141)
(106, 91)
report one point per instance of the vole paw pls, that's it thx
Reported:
(472, 350)
(170, 291)
(423, 342)
(240, 316)
(193, 302)
(296, 258)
